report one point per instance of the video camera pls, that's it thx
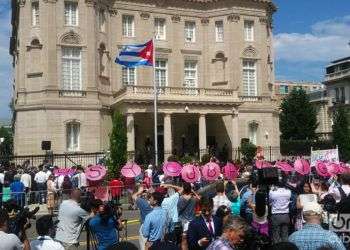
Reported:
(267, 176)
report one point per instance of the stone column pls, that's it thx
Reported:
(168, 140)
(235, 138)
(202, 135)
(130, 128)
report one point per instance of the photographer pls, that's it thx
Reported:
(11, 241)
(104, 225)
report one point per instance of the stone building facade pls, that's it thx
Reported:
(214, 66)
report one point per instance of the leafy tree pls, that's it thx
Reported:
(248, 151)
(298, 119)
(6, 145)
(118, 145)
(341, 132)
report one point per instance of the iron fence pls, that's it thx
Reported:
(60, 160)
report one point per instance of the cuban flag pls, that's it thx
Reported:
(132, 56)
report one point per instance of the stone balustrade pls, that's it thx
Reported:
(337, 75)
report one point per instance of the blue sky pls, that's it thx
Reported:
(308, 34)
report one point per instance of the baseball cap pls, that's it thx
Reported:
(312, 207)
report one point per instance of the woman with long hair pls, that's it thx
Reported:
(260, 212)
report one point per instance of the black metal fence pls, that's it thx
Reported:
(60, 160)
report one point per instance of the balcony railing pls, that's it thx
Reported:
(337, 75)
(177, 91)
(190, 94)
(255, 98)
(72, 93)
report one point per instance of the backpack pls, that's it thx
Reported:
(344, 204)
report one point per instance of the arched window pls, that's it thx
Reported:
(73, 136)
(253, 132)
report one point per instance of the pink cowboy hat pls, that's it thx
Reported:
(333, 168)
(131, 170)
(321, 169)
(190, 173)
(211, 171)
(284, 166)
(172, 168)
(95, 173)
(302, 166)
(230, 171)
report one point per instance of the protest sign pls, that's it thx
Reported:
(328, 155)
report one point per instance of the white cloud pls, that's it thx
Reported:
(327, 41)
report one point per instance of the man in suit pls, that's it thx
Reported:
(205, 228)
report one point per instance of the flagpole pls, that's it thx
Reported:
(155, 90)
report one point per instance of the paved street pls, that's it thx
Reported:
(131, 234)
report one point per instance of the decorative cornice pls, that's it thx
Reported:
(205, 21)
(163, 50)
(176, 18)
(192, 52)
(145, 15)
(233, 18)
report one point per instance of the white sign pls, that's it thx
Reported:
(329, 155)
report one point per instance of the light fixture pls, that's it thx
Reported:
(186, 109)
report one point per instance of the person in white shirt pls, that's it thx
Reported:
(45, 228)
(71, 219)
(11, 241)
(82, 181)
(26, 179)
(40, 178)
(2, 175)
(345, 185)
(279, 199)
(220, 199)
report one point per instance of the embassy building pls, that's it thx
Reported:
(213, 65)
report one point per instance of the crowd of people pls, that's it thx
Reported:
(295, 212)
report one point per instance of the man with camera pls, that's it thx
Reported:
(11, 241)
(71, 220)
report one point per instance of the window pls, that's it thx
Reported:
(190, 80)
(342, 95)
(337, 96)
(73, 134)
(219, 31)
(161, 73)
(35, 13)
(253, 132)
(249, 78)
(71, 13)
(159, 29)
(71, 68)
(283, 89)
(190, 32)
(249, 31)
(102, 20)
(128, 26)
(129, 76)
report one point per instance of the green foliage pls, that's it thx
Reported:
(205, 159)
(6, 147)
(186, 159)
(248, 151)
(118, 145)
(341, 132)
(298, 119)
